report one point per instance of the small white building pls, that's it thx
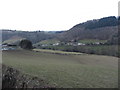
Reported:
(56, 44)
(69, 43)
(44, 45)
(80, 44)
(97, 43)
(6, 47)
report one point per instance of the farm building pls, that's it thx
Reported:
(8, 47)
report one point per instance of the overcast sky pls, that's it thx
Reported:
(49, 15)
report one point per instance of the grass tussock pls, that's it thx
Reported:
(12, 78)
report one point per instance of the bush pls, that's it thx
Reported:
(26, 44)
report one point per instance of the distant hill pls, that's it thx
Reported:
(47, 42)
(99, 23)
(15, 40)
(34, 36)
(102, 29)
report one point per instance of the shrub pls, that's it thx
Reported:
(26, 44)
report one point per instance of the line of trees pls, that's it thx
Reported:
(110, 50)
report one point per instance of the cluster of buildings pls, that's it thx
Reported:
(55, 44)
(72, 44)
(5, 47)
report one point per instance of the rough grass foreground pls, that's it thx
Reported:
(68, 71)
(12, 78)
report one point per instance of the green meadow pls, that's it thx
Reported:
(66, 70)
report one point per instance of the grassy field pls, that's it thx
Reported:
(110, 50)
(57, 52)
(86, 41)
(13, 41)
(48, 42)
(68, 71)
